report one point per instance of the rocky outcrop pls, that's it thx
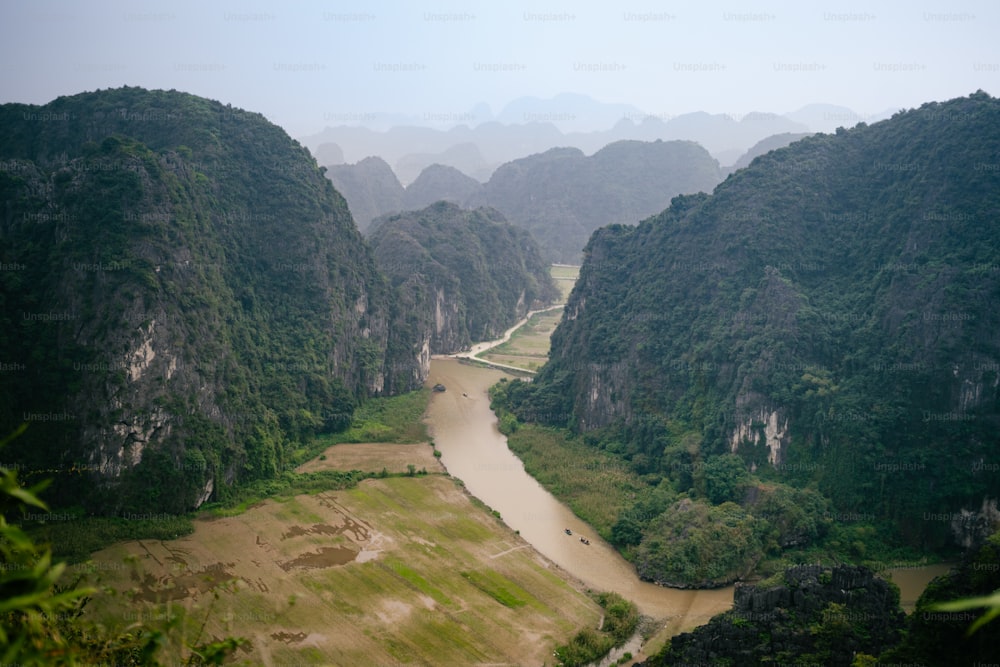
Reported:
(815, 615)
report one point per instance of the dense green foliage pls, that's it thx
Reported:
(188, 300)
(395, 419)
(699, 545)
(621, 618)
(828, 315)
(462, 276)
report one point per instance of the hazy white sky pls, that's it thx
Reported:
(313, 63)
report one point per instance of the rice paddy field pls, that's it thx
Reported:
(399, 570)
(528, 347)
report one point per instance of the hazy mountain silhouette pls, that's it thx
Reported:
(531, 125)
(561, 196)
(764, 146)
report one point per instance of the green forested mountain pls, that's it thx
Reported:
(461, 276)
(370, 188)
(827, 319)
(561, 196)
(185, 297)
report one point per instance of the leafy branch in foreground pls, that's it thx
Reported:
(991, 602)
(41, 620)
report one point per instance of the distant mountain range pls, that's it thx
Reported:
(477, 141)
(561, 196)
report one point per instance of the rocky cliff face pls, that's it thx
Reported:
(827, 313)
(464, 276)
(191, 296)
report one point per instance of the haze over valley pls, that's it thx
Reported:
(562, 335)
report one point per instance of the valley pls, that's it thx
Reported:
(286, 442)
(387, 571)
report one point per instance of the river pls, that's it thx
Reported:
(473, 450)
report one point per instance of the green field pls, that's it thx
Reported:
(528, 347)
(596, 485)
(397, 570)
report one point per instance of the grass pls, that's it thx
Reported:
(392, 419)
(587, 646)
(528, 347)
(596, 485)
(499, 588)
(433, 590)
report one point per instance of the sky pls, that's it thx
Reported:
(313, 63)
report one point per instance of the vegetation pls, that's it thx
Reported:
(41, 616)
(621, 618)
(698, 545)
(825, 319)
(396, 419)
(190, 292)
(463, 276)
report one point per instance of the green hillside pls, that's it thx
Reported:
(825, 322)
(188, 299)
(462, 276)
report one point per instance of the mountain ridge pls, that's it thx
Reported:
(194, 299)
(826, 316)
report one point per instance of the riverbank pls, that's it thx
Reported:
(473, 450)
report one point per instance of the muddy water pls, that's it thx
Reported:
(473, 450)
(912, 581)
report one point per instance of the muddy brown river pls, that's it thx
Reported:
(474, 450)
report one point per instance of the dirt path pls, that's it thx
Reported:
(480, 348)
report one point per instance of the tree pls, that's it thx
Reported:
(726, 478)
